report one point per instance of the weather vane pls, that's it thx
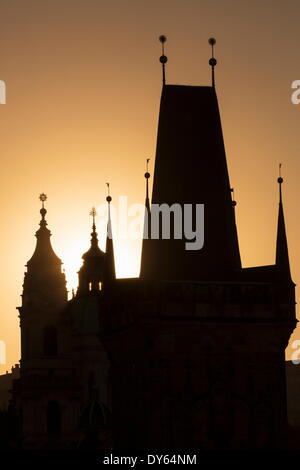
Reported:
(212, 60)
(163, 59)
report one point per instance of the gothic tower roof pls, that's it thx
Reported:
(191, 168)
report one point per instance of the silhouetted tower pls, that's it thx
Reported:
(40, 397)
(61, 352)
(86, 313)
(197, 343)
(44, 296)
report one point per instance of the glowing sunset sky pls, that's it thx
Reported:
(83, 88)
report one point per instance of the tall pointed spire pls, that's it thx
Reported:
(94, 251)
(212, 60)
(163, 59)
(109, 265)
(282, 254)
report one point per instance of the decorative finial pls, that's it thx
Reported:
(147, 176)
(43, 198)
(93, 213)
(233, 202)
(43, 211)
(163, 59)
(280, 181)
(108, 198)
(212, 60)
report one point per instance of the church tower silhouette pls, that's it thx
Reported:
(63, 397)
(197, 343)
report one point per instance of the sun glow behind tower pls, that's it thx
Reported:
(70, 118)
(127, 256)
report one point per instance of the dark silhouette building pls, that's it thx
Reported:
(189, 355)
(197, 343)
(62, 397)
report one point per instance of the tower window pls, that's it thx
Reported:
(50, 341)
(90, 286)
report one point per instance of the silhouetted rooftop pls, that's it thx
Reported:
(190, 168)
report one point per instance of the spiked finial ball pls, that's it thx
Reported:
(280, 180)
(147, 175)
(213, 62)
(108, 198)
(212, 41)
(162, 39)
(233, 203)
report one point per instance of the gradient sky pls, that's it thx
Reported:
(83, 88)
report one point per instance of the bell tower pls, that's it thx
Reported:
(44, 296)
(46, 372)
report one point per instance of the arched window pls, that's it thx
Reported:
(53, 419)
(50, 341)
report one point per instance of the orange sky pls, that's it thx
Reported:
(83, 88)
